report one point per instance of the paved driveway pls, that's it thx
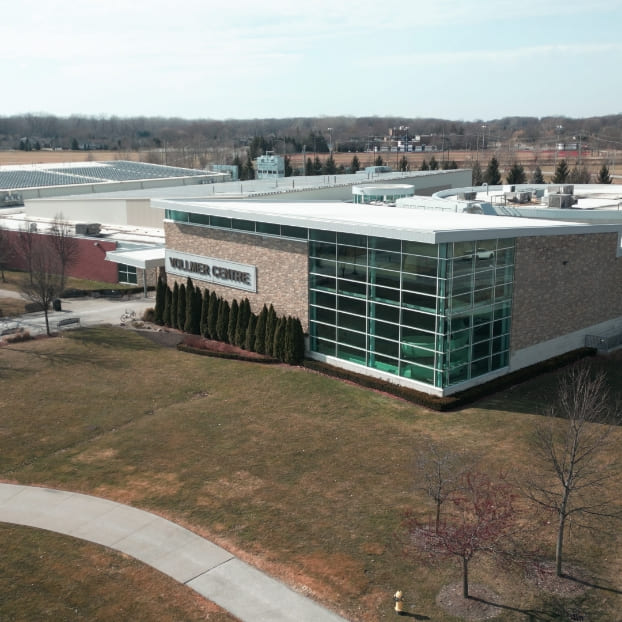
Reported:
(90, 311)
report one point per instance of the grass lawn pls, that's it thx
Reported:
(304, 476)
(12, 280)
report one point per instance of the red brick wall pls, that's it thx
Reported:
(91, 263)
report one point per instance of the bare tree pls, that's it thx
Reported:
(24, 244)
(44, 282)
(570, 477)
(482, 513)
(438, 475)
(66, 246)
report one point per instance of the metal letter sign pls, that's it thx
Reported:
(212, 270)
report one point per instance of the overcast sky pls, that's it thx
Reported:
(453, 59)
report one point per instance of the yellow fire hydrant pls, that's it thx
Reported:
(399, 602)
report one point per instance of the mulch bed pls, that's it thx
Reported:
(574, 582)
(172, 338)
(478, 607)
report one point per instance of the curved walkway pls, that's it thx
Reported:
(208, 569)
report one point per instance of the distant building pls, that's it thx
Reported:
(270, 165)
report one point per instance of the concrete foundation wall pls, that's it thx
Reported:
(563, 285)
(282, 266)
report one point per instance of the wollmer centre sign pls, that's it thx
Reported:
(212, 270)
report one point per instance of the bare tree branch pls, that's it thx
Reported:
(569, 477)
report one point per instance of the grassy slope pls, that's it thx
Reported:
(303, 475)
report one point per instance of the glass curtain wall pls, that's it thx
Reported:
(438, 314)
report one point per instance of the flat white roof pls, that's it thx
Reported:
(433, 227)
(257, 187)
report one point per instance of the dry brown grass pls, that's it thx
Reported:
(302, 475)
(54, 157)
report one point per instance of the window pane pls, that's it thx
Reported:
(420, 265)
(351, 271)
(384, 363)
(323, 331)
(219, 221)
(323, 236)
(352, 239)
(328, 316)
(268, 228)
(387, 244)
(481, 350)
(199, 219)
(318, 281)
(353, 322)
(424, 321)
(387, 278)
(323, 347)
(388, 348)
(322, 266)
(352, 305)
(422, 284)
(293, 232)
(323, 299)
(323, 250)
(351, 354)
(385, 294)
(382, 329)
(480, 367)
(419, 248)
(384, 312)
(243, 225)
(417, 372)
(351, 288)
(419, 301)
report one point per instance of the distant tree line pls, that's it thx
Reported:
(295, 135)
(516, 174)
(201, 312)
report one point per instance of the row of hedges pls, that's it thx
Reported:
(201, 312)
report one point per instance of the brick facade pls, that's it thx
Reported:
(282, 265)
(90, 261)
(563, 284)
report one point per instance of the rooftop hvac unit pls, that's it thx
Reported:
(522, 197)
(566, 189)
(563, 201)
(32, 227)
(467, 196)
(88, 228)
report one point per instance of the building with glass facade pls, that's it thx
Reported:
(435, 301)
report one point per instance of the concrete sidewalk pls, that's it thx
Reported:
(213, 572)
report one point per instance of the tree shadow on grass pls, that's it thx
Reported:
(99, 342)
(112, 337)
(554, 610)
(596, 586)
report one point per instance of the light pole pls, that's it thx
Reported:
(558, 129)
(330, 145)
